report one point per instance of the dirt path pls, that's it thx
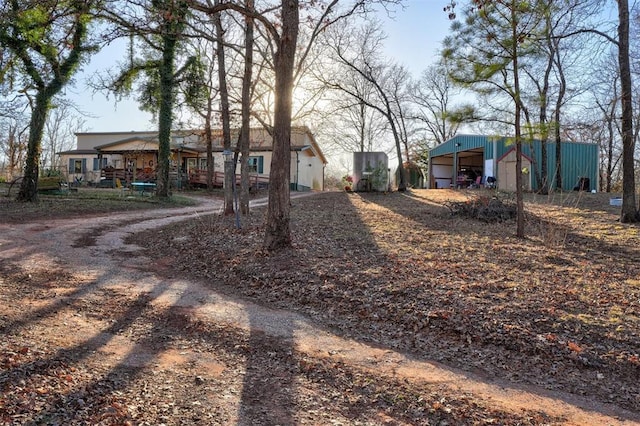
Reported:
(92, 250)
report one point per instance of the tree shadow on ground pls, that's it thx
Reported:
(489, 290)
(275, 374)
(269, 385)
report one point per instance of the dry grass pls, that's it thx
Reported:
(84, 202)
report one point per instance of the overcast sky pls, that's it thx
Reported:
(414, 36)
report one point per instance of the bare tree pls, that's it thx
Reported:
(351, 126)
(545, 90)
(432, 94)
(225, 114)
(204, 104)
(356, 52)
(245, 130)
(283, 26)
(13, 142)
(629, 211)
(59, 133)
(348, 124)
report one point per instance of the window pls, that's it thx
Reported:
(77, 165)
(97, 165)
(191, 163)
(256, 164)
(203, 164)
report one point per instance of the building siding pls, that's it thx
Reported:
(579, 159)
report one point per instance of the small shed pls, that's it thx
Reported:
(507, 171)
(459, 162)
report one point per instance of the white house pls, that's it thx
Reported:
(103, 158)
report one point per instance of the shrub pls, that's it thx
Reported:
(484, 208)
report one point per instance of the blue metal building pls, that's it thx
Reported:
(465, 160)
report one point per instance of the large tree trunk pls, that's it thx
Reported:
(278, 233)
(29, 187)
(629, 211)
(165, 113)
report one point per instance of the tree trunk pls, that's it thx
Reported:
(29, 186)
(402, 181)
(363, 121)
(229, 168)
(165, 112)
(209, 138)
(609, 172)
(245, 133)
(15, 150)
(557, 117)
(544, 104)
(518, 135)
(278, 233)
(629, 211)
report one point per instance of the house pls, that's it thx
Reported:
(466, 160)
(105, 158)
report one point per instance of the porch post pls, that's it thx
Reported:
(454, 179)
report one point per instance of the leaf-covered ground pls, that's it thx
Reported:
(560, 309)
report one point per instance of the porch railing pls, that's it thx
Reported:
(199, 177)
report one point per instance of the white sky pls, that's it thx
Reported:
(414, 36)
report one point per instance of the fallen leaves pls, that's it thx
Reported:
(574, 347)
(401, 271)
(395, 270)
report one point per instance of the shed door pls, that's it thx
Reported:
(507, 175)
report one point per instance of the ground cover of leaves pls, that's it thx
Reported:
(112, 358)
(560, 310)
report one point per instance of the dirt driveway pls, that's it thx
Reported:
(92, 335)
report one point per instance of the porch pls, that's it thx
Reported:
(198, 177)
(109, 176)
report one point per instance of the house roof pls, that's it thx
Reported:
(149, 144)
(127, 140)
(261, 141)
(78, 152)
(464, 142)
(314, 144)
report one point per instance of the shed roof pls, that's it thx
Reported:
(512, 150)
